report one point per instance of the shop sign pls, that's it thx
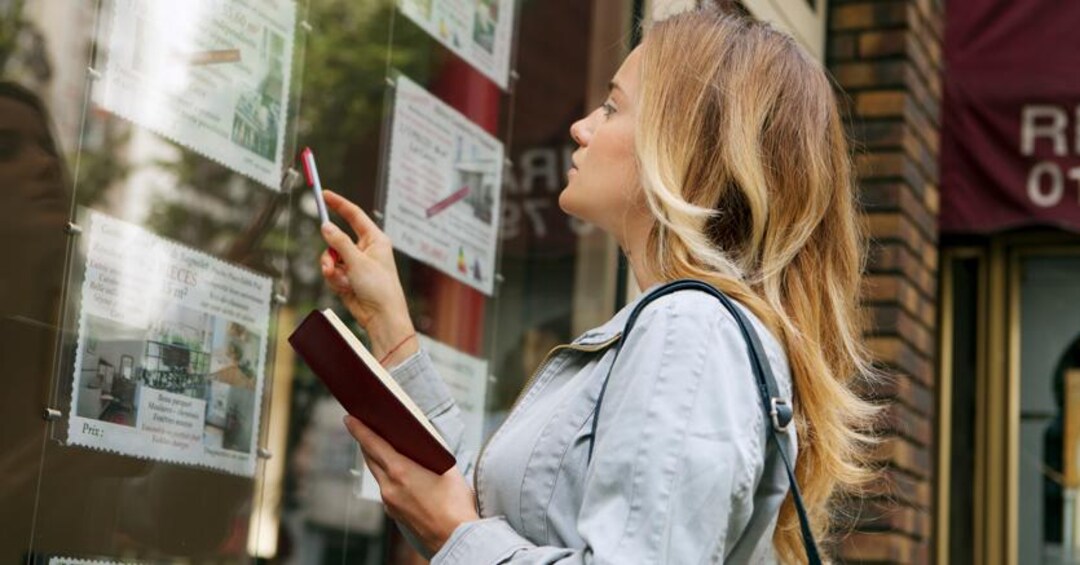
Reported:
(1011, 117)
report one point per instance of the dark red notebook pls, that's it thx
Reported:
(367, 391)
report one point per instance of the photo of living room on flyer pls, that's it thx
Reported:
(171, 352)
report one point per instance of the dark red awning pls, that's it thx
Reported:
(1010, 153)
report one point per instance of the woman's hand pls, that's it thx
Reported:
(366, 279)
(431, 506)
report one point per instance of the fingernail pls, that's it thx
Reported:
(335, 255)
(328, 228)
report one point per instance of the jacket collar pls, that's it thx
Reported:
(613, 328)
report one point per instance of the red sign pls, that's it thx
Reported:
(1010, 153)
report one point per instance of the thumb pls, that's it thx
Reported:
(341, 242)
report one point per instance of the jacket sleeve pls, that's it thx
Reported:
(678, 453)
(418, 377)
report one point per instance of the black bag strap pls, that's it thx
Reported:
(777, 408)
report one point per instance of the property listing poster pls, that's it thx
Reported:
(444, 184)
(466, 377)
(479, 31)
(171, 353)
(213, 77)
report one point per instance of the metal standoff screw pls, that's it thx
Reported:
(378, 214)
(356, 472)
(390, 82)
(94, 73)
(51, 415)
(499, 278)
(265, 453)
(508, 163)
(307, 26)
(73, 229)
(290, 179)
(280, 298)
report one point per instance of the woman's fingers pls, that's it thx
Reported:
(374, 447)
(358, 220)
(342, 243)
(326, 263)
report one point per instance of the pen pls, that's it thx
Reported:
(307, 156)
(312, 174)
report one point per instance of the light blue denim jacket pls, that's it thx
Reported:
(681, 470)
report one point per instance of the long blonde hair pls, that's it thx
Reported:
(744, 162)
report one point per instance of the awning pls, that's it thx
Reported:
(1010, 153)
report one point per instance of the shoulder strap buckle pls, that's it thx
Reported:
(781, 413)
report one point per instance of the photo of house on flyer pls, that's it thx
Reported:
(171, 352)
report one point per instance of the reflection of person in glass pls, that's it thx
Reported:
(75, 501)
(33, 211)
(719, 155)
(1053, 452)
(34, 206)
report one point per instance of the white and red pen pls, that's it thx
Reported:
(312, 174)
(307, 156)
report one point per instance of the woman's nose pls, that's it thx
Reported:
(580, 133)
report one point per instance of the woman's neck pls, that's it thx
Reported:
(635, 246)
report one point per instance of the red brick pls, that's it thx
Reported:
(871, 15)
(905, 456)
(842, 47)
(878, 43)
(898, 419)
(881, 104)
(884, 547)
(876, 74)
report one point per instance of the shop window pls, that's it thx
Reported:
(159, 245)
(1049, 327)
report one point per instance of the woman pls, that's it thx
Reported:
(719, 156)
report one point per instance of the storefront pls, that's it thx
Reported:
(1010, 287)
(160, 244)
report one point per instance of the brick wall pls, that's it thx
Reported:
(887, 56)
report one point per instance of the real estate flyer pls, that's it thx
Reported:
(443, 187)
(479, 31)
(171, 353)
(213, 77)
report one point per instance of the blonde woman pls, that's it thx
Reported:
(718, 156)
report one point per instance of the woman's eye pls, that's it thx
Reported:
(608, 109)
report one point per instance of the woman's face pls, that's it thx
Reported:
(603, 185)
(29, 166)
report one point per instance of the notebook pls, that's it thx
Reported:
(366, 389)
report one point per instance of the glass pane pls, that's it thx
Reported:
(1049, 408)
(964, 380)
(149, 148)
(159, 245)
(486, 329)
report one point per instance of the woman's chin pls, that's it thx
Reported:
(570, 203)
